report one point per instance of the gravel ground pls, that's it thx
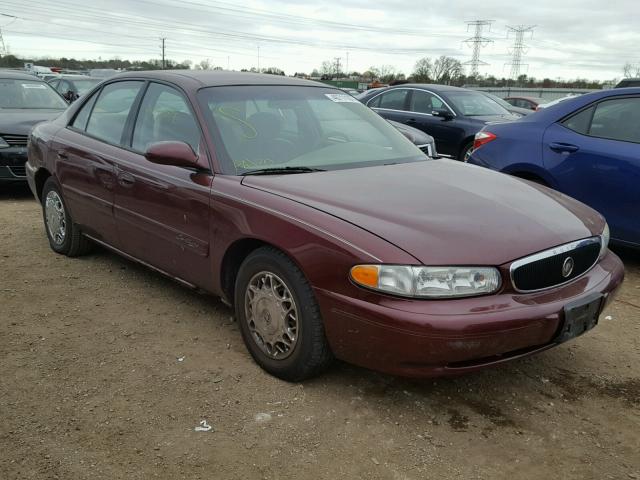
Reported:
(107, 368)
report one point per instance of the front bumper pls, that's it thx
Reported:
(427, 338)
(12, 164)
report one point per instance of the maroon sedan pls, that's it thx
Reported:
(329, 233)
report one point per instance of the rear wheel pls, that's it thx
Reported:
(279, 317)
(64, 236)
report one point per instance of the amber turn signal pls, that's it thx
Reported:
(366, 275)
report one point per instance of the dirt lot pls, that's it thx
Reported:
(106, 369)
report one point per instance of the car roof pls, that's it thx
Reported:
(216, 78)
(571, 104)
(432, 86)
(74, 76)
(18, 75)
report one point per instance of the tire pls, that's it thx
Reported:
(67, 240)
(268, 270)
(466, 152)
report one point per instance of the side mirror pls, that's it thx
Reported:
(177, 154)
(442, 113)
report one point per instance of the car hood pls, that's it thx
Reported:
(441, 211)
(20, 122)
(486, 119)
(418, 137)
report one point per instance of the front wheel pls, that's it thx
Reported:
(279, 317)
(64, 236)
(466, 152)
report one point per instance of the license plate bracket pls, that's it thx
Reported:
(580, 317)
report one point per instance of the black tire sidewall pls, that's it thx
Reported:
(265, 260)
(65, 246)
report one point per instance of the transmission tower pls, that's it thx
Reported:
(519, 48)
(476, 43)
(3, 48)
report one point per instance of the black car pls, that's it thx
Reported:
(517, 111)
(451, 115)
(73, 86)
(628, 82)
(24, 101)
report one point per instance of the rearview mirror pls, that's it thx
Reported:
(442, 113)
(177, 154)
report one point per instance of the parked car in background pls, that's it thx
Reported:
(329, 232)
(24, 101)
(73, 86)
(517, 111)
(451, 115)
(555, 102)
(628, 82)
(424, 142)
(530, 103)
(587, 147)
(103, 72)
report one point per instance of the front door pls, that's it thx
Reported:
(162, 211)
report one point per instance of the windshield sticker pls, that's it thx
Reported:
(341, 98)
(33, 85)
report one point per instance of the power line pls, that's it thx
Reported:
(519, 47)
(476, 43)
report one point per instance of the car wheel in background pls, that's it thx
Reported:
(279, 317)
(465, 154)
(64, 236)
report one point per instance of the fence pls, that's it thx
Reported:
(546, 93)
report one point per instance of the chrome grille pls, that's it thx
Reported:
(545, 269)
(15, 140)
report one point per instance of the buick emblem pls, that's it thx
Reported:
(567, 267)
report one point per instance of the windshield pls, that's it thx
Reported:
(472, 104)
(289, 126)
(83, 86)
(29, 94)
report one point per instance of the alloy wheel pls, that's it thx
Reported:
(56, 219)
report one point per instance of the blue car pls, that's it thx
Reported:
(587, 147)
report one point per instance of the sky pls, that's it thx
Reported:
(570, 39)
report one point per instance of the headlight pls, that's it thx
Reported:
(3, 144)
(427, 282)
(604, 240)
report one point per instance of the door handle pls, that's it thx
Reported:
(411, 121)
(563, 147)
(126, 179)
(62, 154)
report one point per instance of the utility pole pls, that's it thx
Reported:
(347, 65)
(337, 64)
(476, 43)
(519, 48)
(163, 61)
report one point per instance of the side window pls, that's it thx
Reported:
(111, 110)
(424, 102)
(617, 120)
(54, 83)
(64, 86)
(164, 116)
(394, 100)
(580, 122)
(80, 122)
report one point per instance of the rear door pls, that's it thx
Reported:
(86, 151)
(392, 104)
(595, 157)
(162, 211)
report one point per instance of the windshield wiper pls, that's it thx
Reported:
(279, 170)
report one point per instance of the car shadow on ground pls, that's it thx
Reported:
(15, 191)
